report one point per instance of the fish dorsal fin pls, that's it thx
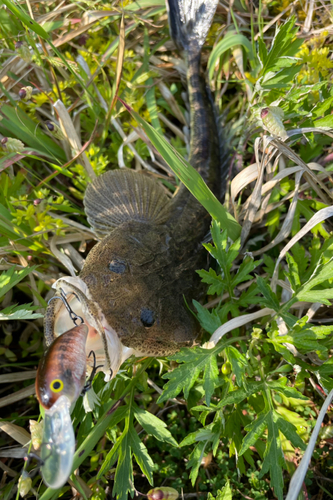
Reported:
(118, 196)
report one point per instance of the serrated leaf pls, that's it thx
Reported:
(262, 52)
(21, 312)
(270, 299)
(238, 363)
(141, 455)
(289, 392)
(195, 461)
(293, 275)
(209, 321)
(211, 379)
(236, 397)
(183, 378)
(123, 480)
(322, 272)
(281, 45)
(255, 431)
(225, 493)
(246, 267)
(290, 432)
(273, 456)
(154, 426)
(215, 281)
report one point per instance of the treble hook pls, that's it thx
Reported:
(63, 297)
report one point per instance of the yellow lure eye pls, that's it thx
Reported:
(56, 385)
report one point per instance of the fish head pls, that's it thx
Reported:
(132, 275)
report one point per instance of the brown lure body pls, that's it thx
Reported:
(62, 369)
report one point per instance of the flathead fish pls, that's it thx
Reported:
(132, 287)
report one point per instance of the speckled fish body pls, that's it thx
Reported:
(135, 279)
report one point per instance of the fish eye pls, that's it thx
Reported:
(147, 317)
(56, 385)
(117, 266)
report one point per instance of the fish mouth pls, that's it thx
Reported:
(102, 339)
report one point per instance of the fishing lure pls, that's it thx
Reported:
(61, 378)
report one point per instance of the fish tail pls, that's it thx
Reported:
(189, 22)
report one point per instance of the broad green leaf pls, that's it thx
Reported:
(154, 426)
(321, 107)
(189, 176)
(262, 52)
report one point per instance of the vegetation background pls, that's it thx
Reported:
(229, 419)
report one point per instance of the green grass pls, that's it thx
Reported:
(229, 418)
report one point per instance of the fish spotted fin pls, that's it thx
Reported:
(189, 21)
(119, 196)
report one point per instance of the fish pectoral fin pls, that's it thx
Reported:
(119, 196)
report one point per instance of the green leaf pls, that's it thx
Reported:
(238, 362)
(123, 480)
(273, 456)
(327, 121)
(25, 19)
(293, 275)
(322, 272)
(21, 312)
(189, 176)
(141, 455)
(281, 45)
(255, 431)
(262, 52)
(246, 267)
(270, 299)
(195, 461)
(12, 277)
(215, 281)
(211, 379)
(289, 392)
(228, 42)
(154, 426)
(225, 493)
(210, 321)
(194, 361)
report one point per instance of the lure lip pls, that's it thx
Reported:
(58, 446)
